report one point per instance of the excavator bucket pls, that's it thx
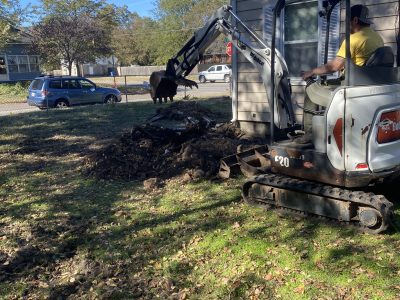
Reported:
(250, 162)
(162, 86)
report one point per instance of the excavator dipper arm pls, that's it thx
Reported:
(164, 83)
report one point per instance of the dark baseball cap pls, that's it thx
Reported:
(361, 12)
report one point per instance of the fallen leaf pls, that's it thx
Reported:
(268, 277)
(300, 289)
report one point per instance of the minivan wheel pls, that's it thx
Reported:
(110, 99)
(227, 78)
(61, 104)
(202, 79)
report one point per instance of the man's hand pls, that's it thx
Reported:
(307, 74)
(330, 67)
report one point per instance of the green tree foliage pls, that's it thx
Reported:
(132, 43)
(178, 20)
(76, 31)
(11, 15)
(154, 41)
(82, 42)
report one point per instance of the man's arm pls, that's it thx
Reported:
(330, 67)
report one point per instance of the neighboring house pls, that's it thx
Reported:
(209, 60)
(215, 54)
(101, 67)
(300, 39)
(16, 60)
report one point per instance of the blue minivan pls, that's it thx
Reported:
(57, 91)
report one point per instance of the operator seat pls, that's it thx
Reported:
(382, 57)
(379, 69)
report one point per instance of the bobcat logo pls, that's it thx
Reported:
(389, 125)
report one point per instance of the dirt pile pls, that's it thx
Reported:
(181, 114)
(192, 148)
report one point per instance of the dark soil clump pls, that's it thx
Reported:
(192, 147)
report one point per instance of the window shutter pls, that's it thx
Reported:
(334, 36)
(268, 17)
(268, 14)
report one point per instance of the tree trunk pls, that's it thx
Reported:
(69, 68)
(78, 70)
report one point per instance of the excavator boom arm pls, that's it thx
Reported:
(257, 52)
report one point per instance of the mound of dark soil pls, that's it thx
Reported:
(151, 151)
(192, 148)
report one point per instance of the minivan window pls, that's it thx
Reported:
(70, 84)
(85, 84)
(219, 68)
(55, 84)
(37, 84)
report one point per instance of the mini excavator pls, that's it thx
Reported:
(355, 130)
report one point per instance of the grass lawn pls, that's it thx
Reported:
(67, 235)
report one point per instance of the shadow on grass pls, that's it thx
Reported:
(69, 226)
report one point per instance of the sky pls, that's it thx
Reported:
(142, 7)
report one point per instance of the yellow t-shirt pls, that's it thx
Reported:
(362, 45)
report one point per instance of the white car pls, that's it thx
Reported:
(214, 73)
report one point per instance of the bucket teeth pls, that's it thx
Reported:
(264, 162)
(247, 169)
(186, 82)
(250, 162)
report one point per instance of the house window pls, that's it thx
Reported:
(3, 66)
(34, 63)
(13, 64)
(301, 36)
(23, 63)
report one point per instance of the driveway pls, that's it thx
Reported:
(205, 90)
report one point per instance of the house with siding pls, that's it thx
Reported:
(17, 62)
(300, 39)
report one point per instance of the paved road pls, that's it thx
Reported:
(16, 108)
(205, 90)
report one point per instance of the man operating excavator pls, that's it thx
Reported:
(363, 43)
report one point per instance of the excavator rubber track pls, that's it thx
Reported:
(366, 211)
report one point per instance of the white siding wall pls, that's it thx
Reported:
(251, 96)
